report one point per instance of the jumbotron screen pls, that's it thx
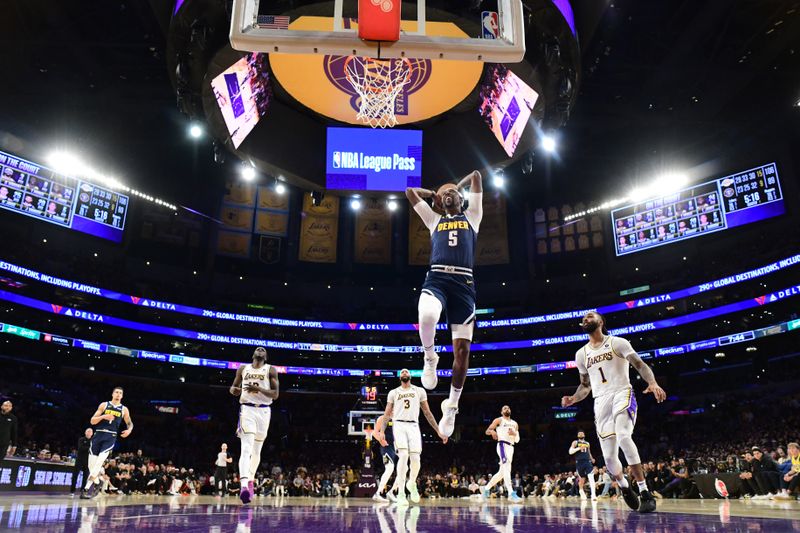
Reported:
(36, 191)
(748, 196)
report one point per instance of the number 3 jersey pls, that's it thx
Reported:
(406, 402)
(607, 365)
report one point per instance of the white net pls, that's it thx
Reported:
(378, 82)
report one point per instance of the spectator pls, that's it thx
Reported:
(8, 429)
(790, 480)
(765, 472)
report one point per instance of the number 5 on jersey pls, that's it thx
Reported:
(452, 239)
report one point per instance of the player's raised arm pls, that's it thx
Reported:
(474, 180)
(98, 415)
(426, 410)
(491, 430)
(126, 415)
(416, 195)
(581, 392)
(236, 388)
(624, 349)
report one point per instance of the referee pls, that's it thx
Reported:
(221, 471)
(8, 429)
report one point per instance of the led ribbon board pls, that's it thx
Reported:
(681, 349)
(109, 320)
(359, 326)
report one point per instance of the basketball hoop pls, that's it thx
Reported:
(378, 83)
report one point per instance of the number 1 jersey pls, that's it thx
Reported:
(607, 365)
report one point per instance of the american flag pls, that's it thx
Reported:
(273, 22)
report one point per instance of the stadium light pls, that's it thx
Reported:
(548, 144)
(498, 180)
(355, 204)
(280, 188)
(195, 131)
(392, 205)
(70, 165)
(248, 172)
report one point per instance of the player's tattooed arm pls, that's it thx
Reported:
(416, 194)
(492, 429)
(426, 410)
(581, 392)
(647, 374)
(236, 388)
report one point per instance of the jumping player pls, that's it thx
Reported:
(106, 421)
(506, 432)
(386, 440)
(408, 399)
(584, 464)
(256, 384)
(604, 364)
(449, 284)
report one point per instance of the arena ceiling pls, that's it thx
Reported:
(661, 82)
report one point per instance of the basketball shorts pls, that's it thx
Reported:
(407, 436)
(254, 420)
(615, 413)
(584, 469)
(388, 454)
(102, 442)
(457, 295)
(505, 452)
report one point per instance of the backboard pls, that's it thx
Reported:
(337, 35)
(360, 420)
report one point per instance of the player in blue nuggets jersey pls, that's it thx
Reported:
(449, 284)
(584, 464)
(386, 440)
(106, 421)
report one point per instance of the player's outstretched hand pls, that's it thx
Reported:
(657, 391)
(125, 433)
(443, 437)
(566, 401)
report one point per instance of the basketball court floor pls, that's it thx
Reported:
(59, 513)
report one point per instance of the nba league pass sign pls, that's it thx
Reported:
(360, 159)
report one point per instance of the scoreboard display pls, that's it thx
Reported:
(38, 192)
(724, 203)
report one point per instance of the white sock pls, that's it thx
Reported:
(623, 482)
(255, 459)
(642, 485)
(248, 442)
(415, 465)
(455, 395)
(387, 474)
(591, 484)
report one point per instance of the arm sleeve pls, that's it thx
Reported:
(622, 347)
(475, 210)
(429, 217)
(579, 362)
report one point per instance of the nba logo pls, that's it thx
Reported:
(337, 159)
(489, 24)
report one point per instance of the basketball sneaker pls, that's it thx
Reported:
(448, 422)
(429, 379)
(401, 500)
(251, 488)
(413, 495)
(245, 495)
(514, 498)
(648, 503)
(391, 495)
(485, 493)
(630, 498)
(378, 498)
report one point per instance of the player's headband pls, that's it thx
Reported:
(405, 370)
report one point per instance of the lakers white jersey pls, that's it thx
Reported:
(406, 402)
(607, 365)
(508, 430)
(252, 375)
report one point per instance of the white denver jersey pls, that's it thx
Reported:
(406, 402)
(252, 375)
(607, 365)
(505, 428)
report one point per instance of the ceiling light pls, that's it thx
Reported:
(195, 131)
(355, 204)
(248, 172)
(392, 205)
(280, 188)
(498, 180)
(548, 144)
